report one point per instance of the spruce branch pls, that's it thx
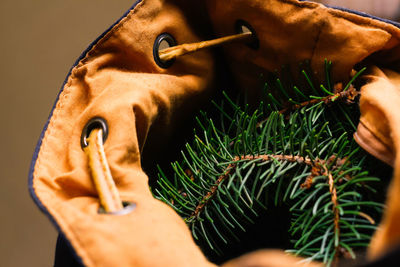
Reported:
(318, 165)
(300, 156)
(328, 94)
(340, 94)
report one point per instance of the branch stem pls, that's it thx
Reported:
(318, 165)
(340, 94)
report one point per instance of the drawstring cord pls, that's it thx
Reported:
(183, 49)
(97, 161)
(101, 174)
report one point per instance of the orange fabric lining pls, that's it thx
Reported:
(144, 105)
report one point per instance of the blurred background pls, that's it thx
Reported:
(40, 41)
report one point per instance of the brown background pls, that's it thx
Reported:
(39, 42)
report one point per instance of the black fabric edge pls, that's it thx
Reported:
(65, 255)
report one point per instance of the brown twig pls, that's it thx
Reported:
(332, 190)
(317, 164)
(349, 95)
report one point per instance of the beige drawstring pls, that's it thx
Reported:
(183, 49)
(101, 174)
(97, 161)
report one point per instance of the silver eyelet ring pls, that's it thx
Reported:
(94, 123)
(128, 207)
(242, 26)
(163, 41)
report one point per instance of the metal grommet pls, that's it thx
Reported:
(163, 41)
(95, 123)
(128, 207)
(242, 26)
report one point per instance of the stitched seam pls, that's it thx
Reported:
(102, 40)
(50, 129)
(111, 32)
(65, 227)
